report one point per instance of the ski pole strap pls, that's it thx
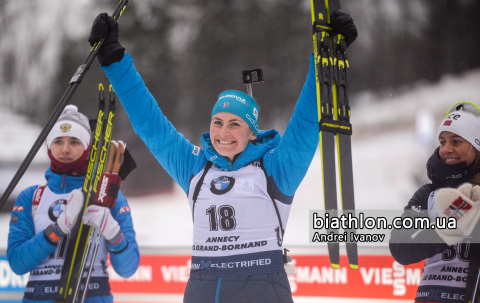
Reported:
(270, 193)
(336, 127)
(128, 165)
(199, 186)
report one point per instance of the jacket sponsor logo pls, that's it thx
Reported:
(234, 97)
(124, 209)
(39, 290)
(205, 264)
(245, 186)
(221, 185)
(434, 294)
(416, 208)
(65, 128)
(235, 264)
(252, 121)
(56, 209)
(38, 195)
(14, 219)
(196, 150)
(437, 294)
(18, 208)
(453, 116)
(255, 163)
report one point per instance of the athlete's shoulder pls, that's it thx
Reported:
(419, 199)
(25, 197)
(424, 192)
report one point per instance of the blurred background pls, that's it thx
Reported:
(411, 61)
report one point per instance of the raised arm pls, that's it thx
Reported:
(289, 162)
(169, 147)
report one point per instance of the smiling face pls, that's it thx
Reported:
(67, 149)
(230, 134)
(454, 149)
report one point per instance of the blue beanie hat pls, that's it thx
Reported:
(240, 104)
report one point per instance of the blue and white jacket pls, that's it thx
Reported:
(236, 224)
(30, 252)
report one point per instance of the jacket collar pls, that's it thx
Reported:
(265, 141)
(62, 183)
(448, 175)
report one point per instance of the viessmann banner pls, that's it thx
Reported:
(377, 277)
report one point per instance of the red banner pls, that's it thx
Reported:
(377, 277)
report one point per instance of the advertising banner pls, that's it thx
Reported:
(377, 277)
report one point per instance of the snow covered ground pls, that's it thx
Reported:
(389, 152)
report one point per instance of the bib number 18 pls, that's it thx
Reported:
(225, 217)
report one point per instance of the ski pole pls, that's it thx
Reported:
(77, 248)
(248, 79)
(79, 282)
(475, 290)
(89, 274)
(74, 82)
(115, 161)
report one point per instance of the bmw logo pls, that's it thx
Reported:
(221, 185)
(56, 209)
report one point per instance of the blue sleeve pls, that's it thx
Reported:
(289, 162)
(175, 153)
(124, 256)
(26, 250)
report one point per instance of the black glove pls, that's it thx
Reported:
(343, 24)
(111, 51)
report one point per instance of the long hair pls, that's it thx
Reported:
(476, 178)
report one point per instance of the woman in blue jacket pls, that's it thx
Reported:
(43, 215)
(240, 184)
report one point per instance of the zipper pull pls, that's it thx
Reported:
(63, 181)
